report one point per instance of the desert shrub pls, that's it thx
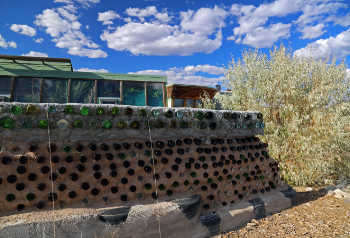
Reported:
(306, 108)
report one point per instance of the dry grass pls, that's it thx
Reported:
(315, 215)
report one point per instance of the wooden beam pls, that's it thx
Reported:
(164, 95)
(41, 90)
(121, 92)
(184, 102)
(96, 91)
(146, 98)
(12, 88)
(69, 88)
(172, 102)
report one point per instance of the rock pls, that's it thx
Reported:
(346, 194)
(347, 200)
(338, 193)
(330, 192)
(308, 189)
(330, 187)
(251, 224)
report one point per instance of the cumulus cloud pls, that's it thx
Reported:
(156, 38)
(148, 11)
(210, 69)
(252, 20)
(35, 54)
(338, 46)
(5, 44)
(187, 75)
(39, 40)
(92, 70)
(107, 17)
(23, 29)
(64, 1)
(63, 26)
(313, 32)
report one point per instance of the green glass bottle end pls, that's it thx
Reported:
(43, 124)
(85, 111)
(107, 124)
(7, 122)
(16, 110)
(69, 109)
(114, 111)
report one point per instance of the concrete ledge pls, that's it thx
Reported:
(142, 220)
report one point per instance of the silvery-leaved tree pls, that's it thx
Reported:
(305, 101)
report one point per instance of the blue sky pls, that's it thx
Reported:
(188, 41)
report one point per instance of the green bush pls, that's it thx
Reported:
(305, 103)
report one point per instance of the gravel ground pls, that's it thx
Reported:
(316, 214)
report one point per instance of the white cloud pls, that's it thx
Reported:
(23, 29)
(313, 32)
(106, 17)
(64, 1)
(92, 70)
(210, 69)
(155, 38)
(338, 46)
(252, 20)
(187, 75)
(65, 30)
(343, 21)
(265, 37)
(5, 44)
(87, 27)
(88, 3)
(39, 40)
(148, 11)
(35, 54)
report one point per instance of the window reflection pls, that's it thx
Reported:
(178, 102)
(155, 94)
(55, 91)
(189, 102)
(5, 88)
(108, 89)
(134, 93)
(82, 91)
(27, 90)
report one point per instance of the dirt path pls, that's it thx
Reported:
(315, 215)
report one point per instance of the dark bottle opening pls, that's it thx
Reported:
(33, 148)
(104, 182)
(169, 192)
(52, 197)
(93, 146)
(62, 170)
(94, 192)
(62, 187)
(175, 167)
(178, 160)
(178, 142)
(114, 189)
(116, 146)
(96, 167)
(69, 159)
(126, 164)
(164, 161)
(85, 186)
(23, 160)
(81, 168)
(168, 151)
(132, 188)
(113, 173)
(104, 147)
(126, 146)
(20, 207)
(79, 147)
(124, 198)
(124, 180)
(40, 205)
(32, 177)
(52, 148)
(20, 186)
(72, 194)
(54, 177)
(138, 145)
(140, 163)
(40, 159)
(82, 159)
(204, 166)
(131, 172)
(74, 177)
(191, 160)
(97, 175)
(21, 169)
(11, 179)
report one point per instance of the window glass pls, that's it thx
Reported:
(178, 102)
(82, 91)
(27, 90)
(5, 86)
(108, 89)
(198, 102)
(134, 93)
(155, 94)
(55, 91)
(189, 102)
